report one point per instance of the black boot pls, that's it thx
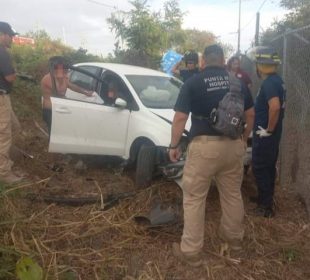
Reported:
(262, 211)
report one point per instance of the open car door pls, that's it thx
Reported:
(83, 127)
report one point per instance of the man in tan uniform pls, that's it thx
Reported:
(8, 120)
(211, 155)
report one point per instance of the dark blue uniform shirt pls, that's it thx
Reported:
(202, 93)
(185, 74)
(6, 69)
(272, 86)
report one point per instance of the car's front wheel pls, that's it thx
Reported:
(145, 165)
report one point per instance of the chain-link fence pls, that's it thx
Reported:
(294, 48)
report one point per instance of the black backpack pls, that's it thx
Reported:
(228, 117)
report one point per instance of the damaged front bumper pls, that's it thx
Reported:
(173, 170)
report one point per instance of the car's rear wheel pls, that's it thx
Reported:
(145, 165)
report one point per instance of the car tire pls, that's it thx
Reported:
(145, 166)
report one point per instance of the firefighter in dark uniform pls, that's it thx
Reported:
(210, 155)
(269, 113)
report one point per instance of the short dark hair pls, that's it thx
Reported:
(56, 60)
(213, 49)
(231, 60)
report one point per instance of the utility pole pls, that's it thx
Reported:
(64, 35)
(239, 31)
(257, 30)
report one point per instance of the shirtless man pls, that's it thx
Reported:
(59, 67)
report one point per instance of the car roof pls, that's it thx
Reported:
(124, 69)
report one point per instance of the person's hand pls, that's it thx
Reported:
(88, 93)
(262, 132)
(245, 144)
(174, 154)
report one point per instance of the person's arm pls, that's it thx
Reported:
(10, 78)
(79, 89)
(247, 80)
(178, 126)
(176, 68)
(273, 113)
(249, 112)
(46, 90)
(249, 120)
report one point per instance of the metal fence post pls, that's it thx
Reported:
(284, 72)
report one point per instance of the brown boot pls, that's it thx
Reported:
(192, 260)
(234, 244)
(10, 178)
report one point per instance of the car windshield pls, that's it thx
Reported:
(155, 91)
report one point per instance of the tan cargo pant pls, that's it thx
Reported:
(8, 123)
(219, 158)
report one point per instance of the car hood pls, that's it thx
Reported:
(168, 114)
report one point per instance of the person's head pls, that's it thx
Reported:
(6, 34)
(112, 91)
(213, 55)
(233, 64)
(191, 59)
(267, 61)
(59, 66)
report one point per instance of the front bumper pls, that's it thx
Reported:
(173, 170)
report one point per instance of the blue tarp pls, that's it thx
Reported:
(170, 58)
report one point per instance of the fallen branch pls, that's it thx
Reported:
(40, 128)
(109, 202)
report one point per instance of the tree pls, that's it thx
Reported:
(33, 59)
(140, 32)
(298, 16)
(198, 40)
(172, 25)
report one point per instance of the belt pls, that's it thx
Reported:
(3, 91)
(206, 138)
(209, 138)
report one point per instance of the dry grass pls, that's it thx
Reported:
(88, 243)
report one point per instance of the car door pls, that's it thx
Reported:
(83, 127)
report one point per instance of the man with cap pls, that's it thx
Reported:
(210, 156)
(269, 113)
(7, 116)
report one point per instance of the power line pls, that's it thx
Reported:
(250, 21)
(102, 4)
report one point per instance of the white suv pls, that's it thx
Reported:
(136, 126)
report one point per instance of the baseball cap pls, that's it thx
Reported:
(7, 29)
(216, 49)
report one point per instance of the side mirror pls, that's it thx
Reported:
(119, 102)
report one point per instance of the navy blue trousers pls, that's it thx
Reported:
(265, 152)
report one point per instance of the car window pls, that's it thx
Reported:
(83, 80)
(158, 92)
(114, 87)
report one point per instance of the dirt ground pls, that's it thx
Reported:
(85, 242)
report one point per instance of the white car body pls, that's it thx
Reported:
(85, 125)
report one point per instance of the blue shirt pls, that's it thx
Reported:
(6, 69)
(185, 74)
(272, 86)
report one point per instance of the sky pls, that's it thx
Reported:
(82, 23)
